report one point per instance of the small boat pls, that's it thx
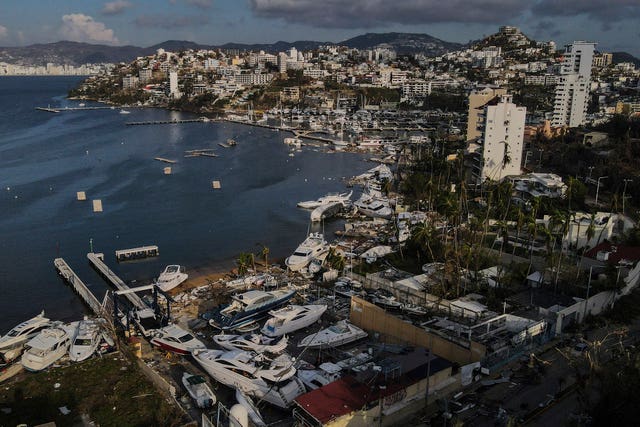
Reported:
(86, 341)
(329, 198)
(247, 307)
(12, 343)
(175, 339)
(125, 112)
(199, 390)
(172, 276)
(252, 342)
(312, 247)
(387, 301)
(292, 318)
(316, 378)
(414, 309)
(336, 335)
(376, 252)
(252, 409)
(256, 375)
(295, 142)
(47, 347)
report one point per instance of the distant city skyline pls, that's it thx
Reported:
(610, 23)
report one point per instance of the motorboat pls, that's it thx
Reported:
(172, 276)
(256, 375)
(295, 142)
(12, 343)
(312, 247)
(292, 318)
(374, 207)
(86, 341)
(414, 309)
(316, 378)
(329, 198)
(335, 335)
(252, 409)
(249, 306)
(47, 347)
(125, 112)
(387, 302)
(372, 255)
(252, 342)
(326, 210)
(175, 339)
(147, 321)
(199, 390)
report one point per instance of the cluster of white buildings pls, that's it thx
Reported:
(51, 69)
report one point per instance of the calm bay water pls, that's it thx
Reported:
(46, 158)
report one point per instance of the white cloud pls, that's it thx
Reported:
(115, 7)
(82, 28)
(3, 32)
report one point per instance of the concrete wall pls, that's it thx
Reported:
(395, 330)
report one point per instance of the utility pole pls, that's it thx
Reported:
(598, 188)
(624, 192)
(586, 301)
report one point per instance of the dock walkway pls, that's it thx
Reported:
(78, 285)
(114, 280)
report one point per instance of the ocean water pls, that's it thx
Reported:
(46, 158)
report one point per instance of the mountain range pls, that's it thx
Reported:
(74, 53)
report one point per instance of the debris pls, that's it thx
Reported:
(64, 410)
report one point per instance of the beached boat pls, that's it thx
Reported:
(312, 247)
(12, 343)
(376, 252)
(48, 347)
(271, 380)
(316, 378)
(199, 390)
(86, 341)
(292, 318)
(329, 198)
(172, 276)
(414, 309)
(335, 335)
(252, 342)
(373, 207)
(175, 339)
(252, 409)
(387, 301)
(247, 307)
(326, 210)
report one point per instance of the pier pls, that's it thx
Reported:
(48, 109)
(137, 253)
(115, 281)
(167, 122)
(78, 285)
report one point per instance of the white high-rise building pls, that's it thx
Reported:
(572, 90)
(501, 143)
(173, 84)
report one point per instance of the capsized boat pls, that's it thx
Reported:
(12, 343)
(292, 318)
(172, 276)
(87, 340)
(252, 342)
(329, 198)
(256, 375)
(336, 335)
(199, 390)
(326, 210)
(316, 378)
(252, 409)
(249, 306)
(175, 339)
(48, 347)
(312, 247)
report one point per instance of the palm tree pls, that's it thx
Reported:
(422, 234)
(265, 256)
(243, 262)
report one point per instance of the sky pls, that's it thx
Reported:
(610, 23)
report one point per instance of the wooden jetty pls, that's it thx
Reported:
(78, 285)
(162, 159)
(137, 253)
(166, 122)
(97, 262)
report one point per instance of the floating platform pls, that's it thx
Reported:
(162, 159)
(167, 170)
(97, 205)
(137, 253)
(81, 196)
(216, 185)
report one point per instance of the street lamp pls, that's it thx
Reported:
(598, 188)
(624, 191)
(591, 168)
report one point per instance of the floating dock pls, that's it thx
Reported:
(97, 205)
(81, 196)
(137, 253)
(216, 185)
(162, 159)
(48, 109)
(167, 170)
(78, 285)
(97, 262)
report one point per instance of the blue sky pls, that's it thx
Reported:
(610, 23)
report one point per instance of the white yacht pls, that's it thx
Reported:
(313, 246)
(336, 335)
(372, 255)
(86, 341)
(199, 390)
(329, 198)
(252, 342)
(47, 347)
(175, 339)
(172, 276)
(316, 378)
(326, 210)
(292, 318)
(272, 380)
(373, 207)
(252, 409)
(125, 112)
(245, 308)
(13, 342)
